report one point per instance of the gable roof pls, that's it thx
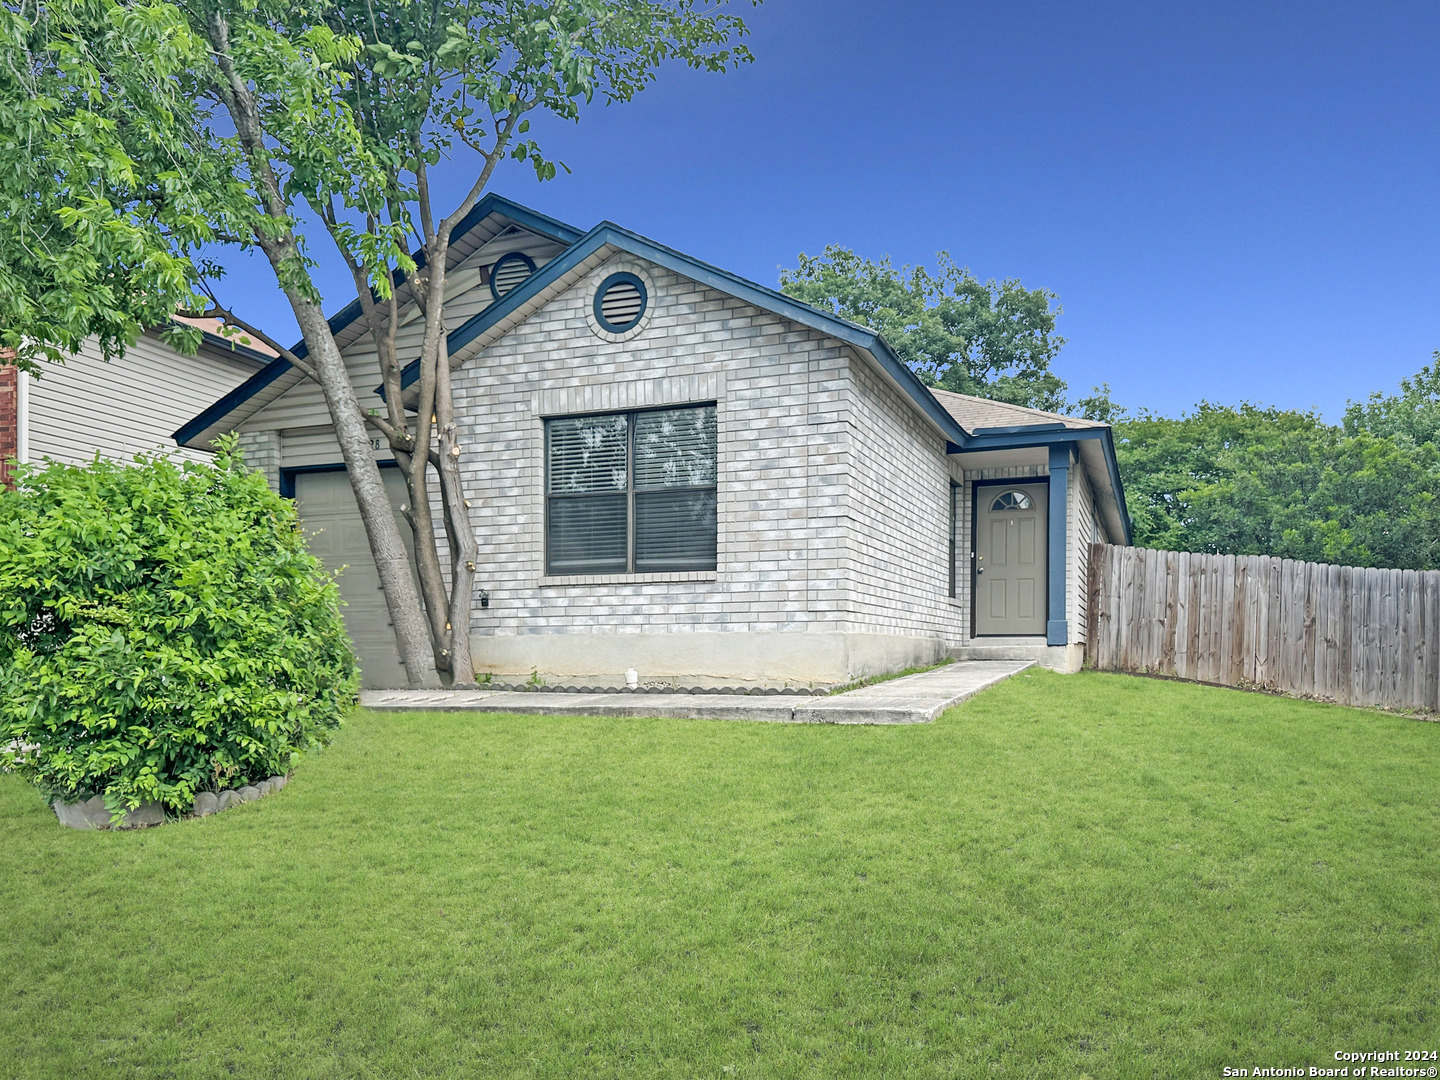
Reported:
(279, 370)
(967, 423)
(607, 238)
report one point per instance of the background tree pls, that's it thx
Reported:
(990, 339)
(136, 136)
(1248, 480)
(1099, 405)
(1413, 415)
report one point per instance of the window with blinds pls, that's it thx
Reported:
(631, 492)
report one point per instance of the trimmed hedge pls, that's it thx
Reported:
(163, 632)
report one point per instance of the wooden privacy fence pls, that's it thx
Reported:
(1336, 633)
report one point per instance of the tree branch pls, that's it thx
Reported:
(385, 428)
(231, 319)
(502, 140)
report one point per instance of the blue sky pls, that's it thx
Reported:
(1233, 201)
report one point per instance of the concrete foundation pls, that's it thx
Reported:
(1066, 659)
(784, 658)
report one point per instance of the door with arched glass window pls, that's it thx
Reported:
(1010, 559)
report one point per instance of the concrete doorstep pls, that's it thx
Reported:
(913, 699)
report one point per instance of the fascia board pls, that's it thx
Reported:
(490, 204)
(1039, 436)
(607, 233)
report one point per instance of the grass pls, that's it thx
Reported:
(1076, 876)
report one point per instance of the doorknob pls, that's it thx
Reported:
(979, 570)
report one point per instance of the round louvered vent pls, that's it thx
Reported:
(509, 271)
(619, 302)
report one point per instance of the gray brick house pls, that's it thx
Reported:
(676, 470)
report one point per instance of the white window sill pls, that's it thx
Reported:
(630, 579)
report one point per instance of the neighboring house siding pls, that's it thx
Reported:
(127, 406)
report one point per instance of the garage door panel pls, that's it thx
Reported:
(331, 520)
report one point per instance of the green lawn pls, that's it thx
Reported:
(1085, 876)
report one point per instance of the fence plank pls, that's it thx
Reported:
(1183, 611)
(1295, 631)
(1327, 622)
(1430, 642)
(1409, 657)
(1285, 669)
(1229, 572)
(1337, 633)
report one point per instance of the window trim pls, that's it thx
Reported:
(629, 572)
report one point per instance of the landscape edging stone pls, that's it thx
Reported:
(91, 813)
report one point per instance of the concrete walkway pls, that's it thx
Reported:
(914, 699)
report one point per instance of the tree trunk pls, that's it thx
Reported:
(464, 551)
(393, 564)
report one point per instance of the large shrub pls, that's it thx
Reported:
(163, 631)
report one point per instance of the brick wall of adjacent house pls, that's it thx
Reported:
(9, 421)
(832, 511)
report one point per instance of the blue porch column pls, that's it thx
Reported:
(1056, 625)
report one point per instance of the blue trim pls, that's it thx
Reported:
(1057, 626)
(1016, 429)
(1021, 439)
(287, 475)
(608, 233)
(623, 277)
(509, 257)
(1045, 436)
(546, 226)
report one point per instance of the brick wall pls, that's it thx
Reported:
(832, 496)
(9, 421)
(899, 515)
(262, 453)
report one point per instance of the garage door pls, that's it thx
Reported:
(331, 520)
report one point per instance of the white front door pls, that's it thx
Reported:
(1010, 559)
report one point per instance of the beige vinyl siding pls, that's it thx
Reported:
(318, 446)
(1080, 534)
(303, 407)
(129, 405)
